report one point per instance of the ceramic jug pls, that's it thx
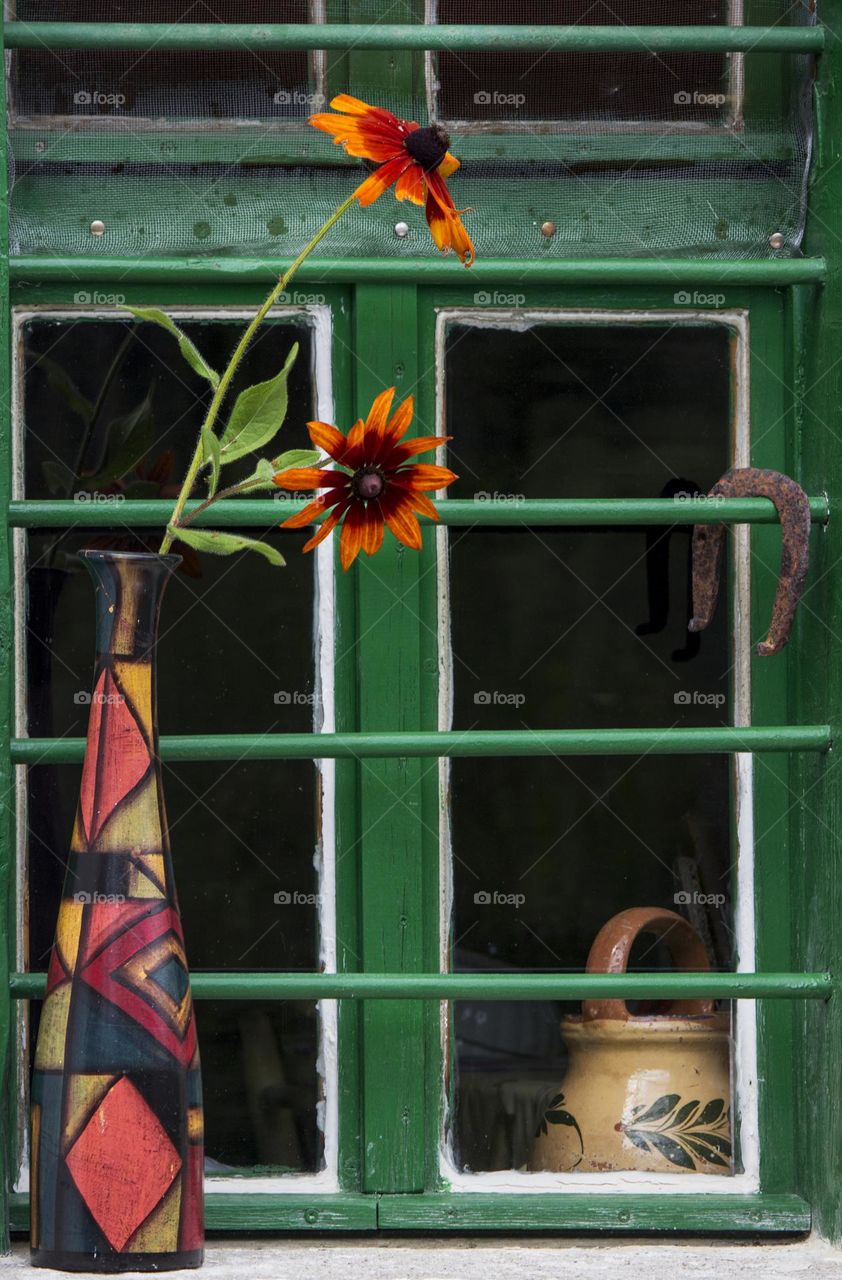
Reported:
(650, 1092)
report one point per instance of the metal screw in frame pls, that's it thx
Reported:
(777, 240)
(97, 227)
(401, 230)
(548, 230)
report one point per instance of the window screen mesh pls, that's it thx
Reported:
(209, 153)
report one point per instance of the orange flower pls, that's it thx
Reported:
(374, 486)
(415, 161)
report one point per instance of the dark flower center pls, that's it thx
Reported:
(428, 146)
(369, 482)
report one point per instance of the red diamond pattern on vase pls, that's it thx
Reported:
(123, 1162)
(108, 779)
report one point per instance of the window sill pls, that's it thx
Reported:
(504, 1259)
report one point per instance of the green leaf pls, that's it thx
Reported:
(226, 544)
(295, 458)
(193, 357)
(257, 415)
(210, 449)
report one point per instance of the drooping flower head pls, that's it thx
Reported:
(375, 483)
(412, 159)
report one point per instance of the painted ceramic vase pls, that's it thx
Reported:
(117, 1131)
(650, 1093)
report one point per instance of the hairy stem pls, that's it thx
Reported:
(233, 364)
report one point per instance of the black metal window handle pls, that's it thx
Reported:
(793, 509)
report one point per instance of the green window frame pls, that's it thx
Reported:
(390, 1083)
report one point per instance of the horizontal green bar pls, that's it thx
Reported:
(486, 986)
(447, 38)
(486, 509)
(574, 1211)
(245, 1210)
(699, 1213)
(590, 272)
(474, 743)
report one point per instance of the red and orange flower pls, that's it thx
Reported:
(375, 484)
(414, 160)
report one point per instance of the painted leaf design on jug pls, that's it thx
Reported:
(555, 1114)
(682, 1132)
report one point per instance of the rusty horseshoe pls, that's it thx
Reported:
(793, 509)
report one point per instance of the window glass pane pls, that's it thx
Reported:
(110, 415)
(163, 84)
(527, 84)
(577, 628)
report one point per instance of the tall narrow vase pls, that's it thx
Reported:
(117, 1135)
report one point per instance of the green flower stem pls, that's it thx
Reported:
(232, 491)
(233, 364)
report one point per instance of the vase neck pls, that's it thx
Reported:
(129, 589)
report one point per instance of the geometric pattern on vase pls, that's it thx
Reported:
(117, 1128)
(122, 1162)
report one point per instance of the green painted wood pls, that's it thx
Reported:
(371, 744)
(9, 1120)
(814, 887)
(244, 1211)
(389, 665)
(345, 36)
(699, 1214)
(487, 986)
(771, 272)
(487, 510)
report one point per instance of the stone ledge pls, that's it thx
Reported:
(482, 1259)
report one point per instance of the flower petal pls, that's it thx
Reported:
(309, 478)
(399, 422)
(419, 444)
(329, 438)
(418, 502)
(373, 529)
(378, 414)
(411, 185)
(422, 476)
(310, 512)
(444, 222)
(448, 166)
(397, 511)
(326, 527)
(351, 540)
(379, 181)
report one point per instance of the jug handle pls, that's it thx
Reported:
(612, 947)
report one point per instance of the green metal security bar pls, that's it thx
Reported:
(491, 986)
(574, 39)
